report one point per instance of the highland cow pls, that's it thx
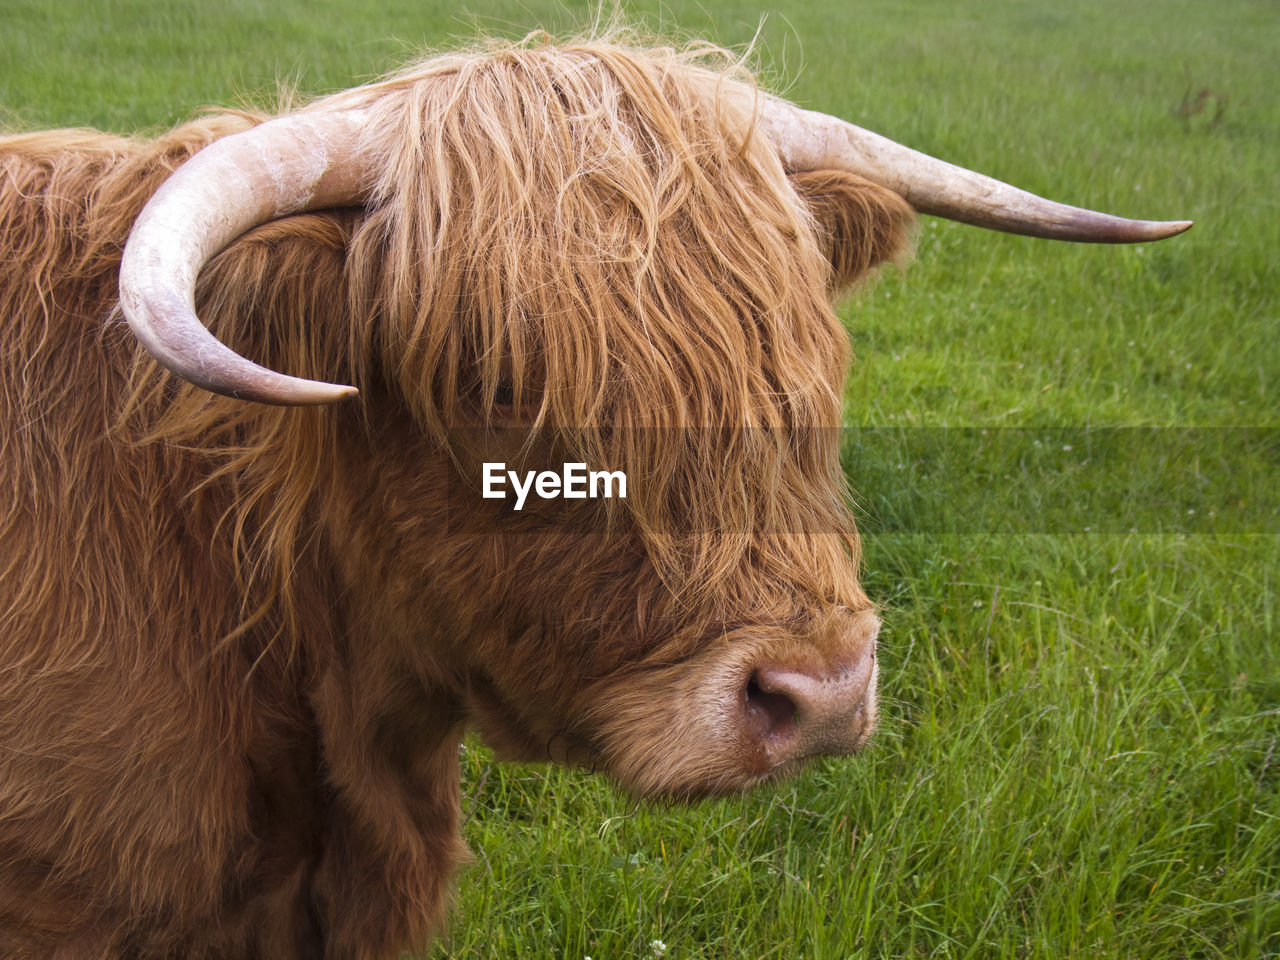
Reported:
(242, 640)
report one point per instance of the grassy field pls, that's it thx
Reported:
(1081, 749)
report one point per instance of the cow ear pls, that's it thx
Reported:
(860, 224)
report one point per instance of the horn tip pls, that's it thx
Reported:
(1170, 228)
(1118, 230)
(316, 392)
(276, 390)
(1107, 229)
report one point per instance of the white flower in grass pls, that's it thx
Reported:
(658, 948)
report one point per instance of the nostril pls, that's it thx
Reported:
(774, 714)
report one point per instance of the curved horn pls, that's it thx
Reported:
(310, 160)
(808, 140)
(301, 162)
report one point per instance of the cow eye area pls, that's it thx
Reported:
(504, 394)
(773, 714)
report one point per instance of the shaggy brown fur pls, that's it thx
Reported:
(239, 645)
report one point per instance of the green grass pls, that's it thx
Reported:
(1081, 750)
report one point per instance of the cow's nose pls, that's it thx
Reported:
(802, 711)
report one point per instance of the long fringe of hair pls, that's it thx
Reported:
(604, 236)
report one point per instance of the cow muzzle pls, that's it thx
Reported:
(751, 708)
(797, 713)
(815, 707)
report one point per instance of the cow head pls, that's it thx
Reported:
(619, 257)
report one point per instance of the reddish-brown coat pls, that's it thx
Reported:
(237, 649)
